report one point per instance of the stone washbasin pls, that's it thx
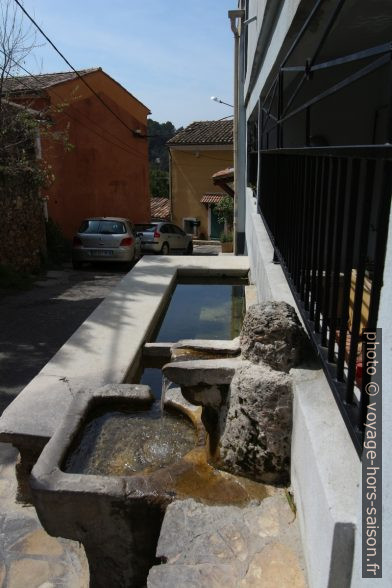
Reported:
(116, 517)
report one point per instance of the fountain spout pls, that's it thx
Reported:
(205, 383)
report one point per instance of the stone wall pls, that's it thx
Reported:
(23, 241)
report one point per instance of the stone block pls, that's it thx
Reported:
(272, 334)
(256, 426)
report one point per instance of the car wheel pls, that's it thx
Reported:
(165, 249)
(77, 265)
(189, 249)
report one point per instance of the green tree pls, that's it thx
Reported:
(159, 182)
(158, 135)
(225, 211)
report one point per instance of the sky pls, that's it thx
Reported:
(173, 55)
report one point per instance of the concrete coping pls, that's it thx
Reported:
(107, 347)
(203, 371)
(224, 346)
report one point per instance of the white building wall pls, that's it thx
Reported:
(285, 20)
(326, 470)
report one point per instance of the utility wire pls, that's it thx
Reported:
(74, 70)
(127, 149)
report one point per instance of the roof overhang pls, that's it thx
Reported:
(211, 198)
(223, 178)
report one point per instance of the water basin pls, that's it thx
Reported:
(120, 442)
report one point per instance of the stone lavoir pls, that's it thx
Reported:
(246, 410)
(247, 400)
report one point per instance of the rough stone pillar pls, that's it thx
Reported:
(256, 429)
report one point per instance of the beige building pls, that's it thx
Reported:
(196, 153)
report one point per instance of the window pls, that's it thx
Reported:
(150, 228)
(112, 228)
(89, 226)
(177, 230)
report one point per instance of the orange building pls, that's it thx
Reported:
(100, 165)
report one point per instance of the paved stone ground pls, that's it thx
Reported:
(29, 557)
(256, 546)
(208, 249)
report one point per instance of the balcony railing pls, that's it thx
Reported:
(327, 213)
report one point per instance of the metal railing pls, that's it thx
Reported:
(327, 213)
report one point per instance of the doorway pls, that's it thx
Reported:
(216, 228)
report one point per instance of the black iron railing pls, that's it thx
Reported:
(327, 213)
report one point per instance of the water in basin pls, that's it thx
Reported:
(120, 442)
(203, 311)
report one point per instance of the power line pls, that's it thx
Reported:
(128, 149)
(74, 70)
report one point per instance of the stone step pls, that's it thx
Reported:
(215, 546)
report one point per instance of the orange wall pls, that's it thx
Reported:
(106, 171)
(191, 172)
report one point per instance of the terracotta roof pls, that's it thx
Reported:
(207, 132)
(41, 81)
(160, 208)
(27, 84)
(212, 197)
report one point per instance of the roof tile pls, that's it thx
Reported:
(38, 82)
(212, 197)
(207, 132)
(160, 208)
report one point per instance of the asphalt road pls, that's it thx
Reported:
(34, 324)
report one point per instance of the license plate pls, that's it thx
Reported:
(101, 253)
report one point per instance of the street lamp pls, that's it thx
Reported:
(216, 99)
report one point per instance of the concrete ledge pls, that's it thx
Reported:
(107, 346)
(325, 476)
(268, 277)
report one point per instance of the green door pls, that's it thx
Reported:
(216, 227)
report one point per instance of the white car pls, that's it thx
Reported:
(164, 237)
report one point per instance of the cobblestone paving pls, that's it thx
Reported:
(29, 557)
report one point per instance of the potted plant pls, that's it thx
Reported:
(225, 214)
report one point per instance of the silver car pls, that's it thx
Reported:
(105, 238)
(164, 237)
